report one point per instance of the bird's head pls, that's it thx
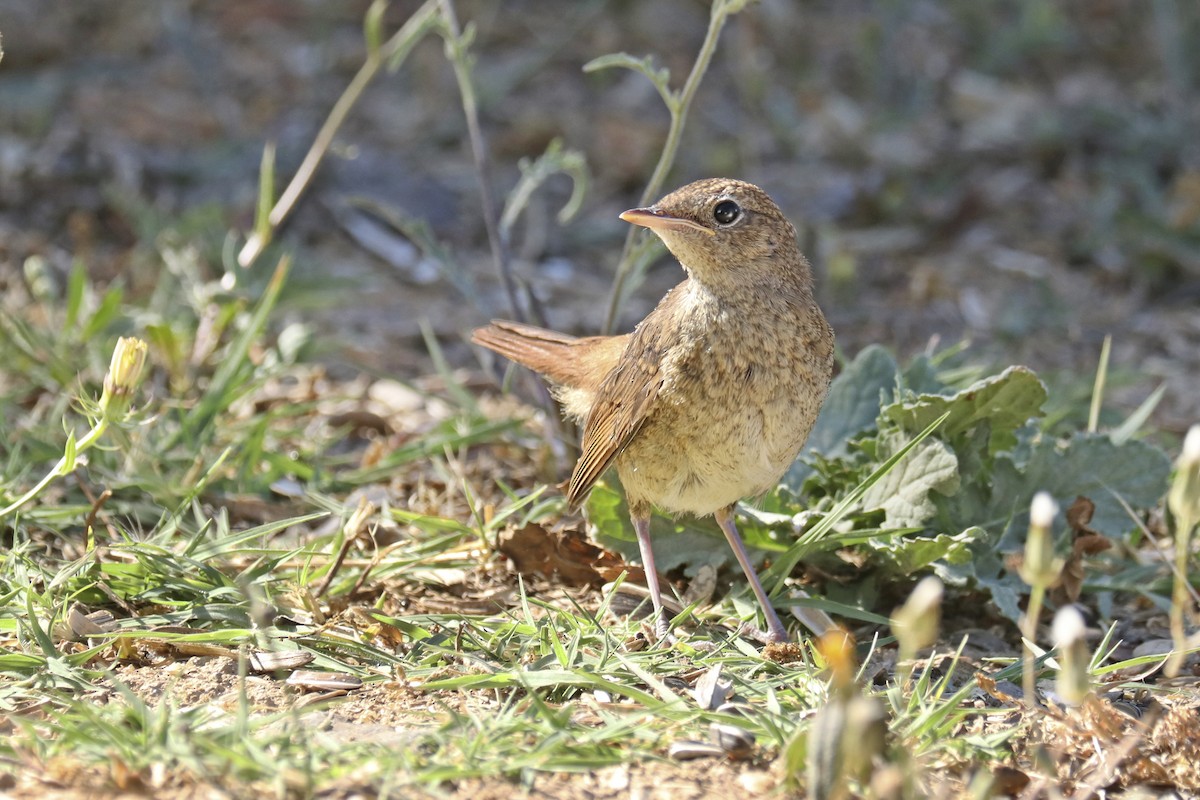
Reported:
(722, 229)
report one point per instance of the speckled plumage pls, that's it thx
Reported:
(710, 398)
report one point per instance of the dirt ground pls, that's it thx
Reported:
(382, 714)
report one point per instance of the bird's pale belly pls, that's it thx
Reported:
(696, 460)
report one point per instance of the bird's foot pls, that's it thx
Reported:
(663, 632)
(757, 634)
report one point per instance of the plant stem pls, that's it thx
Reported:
(60, 469)
(456, 52)
(412, 30)
(1183, 500)
(1180, 596)
(1036, 593)
(679, 107)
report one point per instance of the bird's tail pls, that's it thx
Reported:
(568, 361)
(543, 351)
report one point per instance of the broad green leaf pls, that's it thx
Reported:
(998, 500)
(854, 400)
(1004, 402)
(921, 376)
(907, 555)
(904, 492)
(1006, 590)
(809, 540)
(1090, 465)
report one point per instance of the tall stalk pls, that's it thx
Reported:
(638, 247)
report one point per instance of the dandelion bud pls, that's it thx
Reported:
(1040, 567)
(1072, 682)
(837, 648)
(1184, 501)
(1191, 447)
(916, 622)
(1042, 510)
(1184, 497)
(124, 374)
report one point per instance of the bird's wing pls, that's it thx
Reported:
(622, 404)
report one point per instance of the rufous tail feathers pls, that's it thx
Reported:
(557, 356)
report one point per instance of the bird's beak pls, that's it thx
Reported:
(655, 220)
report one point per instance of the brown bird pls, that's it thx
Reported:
(710, 398)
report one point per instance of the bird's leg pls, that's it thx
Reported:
(641, 526)
(724, 518)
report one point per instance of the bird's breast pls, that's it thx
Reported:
(733, 413)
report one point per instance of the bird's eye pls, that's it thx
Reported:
(726, 212)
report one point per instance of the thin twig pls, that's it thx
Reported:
(353, 529)
(679, 107)
(412, 30)
(1162, 553)
(97, 504)
(456, 52)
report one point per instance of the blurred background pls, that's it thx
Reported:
(1022, 175)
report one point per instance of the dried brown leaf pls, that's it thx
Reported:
(1080, 514)
(1087, 542)
(566, 553)
(989, 685)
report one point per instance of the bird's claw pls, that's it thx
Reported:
(662, 630)
(757, 634)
